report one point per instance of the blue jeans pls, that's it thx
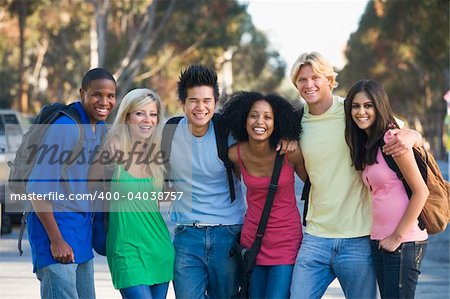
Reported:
(156, 291)
(271, 282)
(203, 266)
(69, 281)
(321, 260)
(398, 271)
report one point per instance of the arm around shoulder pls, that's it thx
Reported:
(296, 160)
(402, 141)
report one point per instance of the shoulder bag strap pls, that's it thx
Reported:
(256, 246)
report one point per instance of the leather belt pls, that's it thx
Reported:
(203, 225)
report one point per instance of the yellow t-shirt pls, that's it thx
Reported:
(339, 203)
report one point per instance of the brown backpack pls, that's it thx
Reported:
(435, 214)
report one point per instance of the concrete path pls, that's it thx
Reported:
(18, 282)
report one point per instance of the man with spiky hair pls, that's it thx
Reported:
(208, 220)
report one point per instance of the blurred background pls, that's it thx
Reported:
(47, 45)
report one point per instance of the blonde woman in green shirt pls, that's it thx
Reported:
(138, 246)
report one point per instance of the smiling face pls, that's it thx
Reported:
(315, 89)
(363, 111)
(98, 99)
(260, 121)
(199, 108)
(142, 121)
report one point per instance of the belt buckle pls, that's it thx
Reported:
(204, 225)
(197, 225)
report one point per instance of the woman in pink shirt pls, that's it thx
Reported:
(398, 244)
(258, 123)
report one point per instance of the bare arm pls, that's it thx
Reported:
(402, 141)
(410, 171)
(233, 156)
(61, 251)
(296, 159)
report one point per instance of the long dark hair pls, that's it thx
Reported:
(364, 147)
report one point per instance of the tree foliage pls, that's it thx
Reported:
(142, 42)
(405, 46)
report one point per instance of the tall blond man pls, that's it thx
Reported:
(336, 239)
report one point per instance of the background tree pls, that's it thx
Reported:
(405, 46)
(22, 9)
(143, 43)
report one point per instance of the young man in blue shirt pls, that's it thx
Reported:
(208, 221)
(60, 231)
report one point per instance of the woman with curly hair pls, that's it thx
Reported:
(258, 123)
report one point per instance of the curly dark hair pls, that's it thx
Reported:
(197, 75)
(286, 118)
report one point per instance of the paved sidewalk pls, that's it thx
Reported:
(17, 280)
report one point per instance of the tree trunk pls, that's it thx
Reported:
(23, 95)
(139, 48)
(98, 32)
(36, 76)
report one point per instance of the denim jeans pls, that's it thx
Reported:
(271, 282)
(321, 260)
(398, 271)
(156, 291)
(61, 281)
(203, 266)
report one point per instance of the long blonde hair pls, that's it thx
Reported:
(121, 136)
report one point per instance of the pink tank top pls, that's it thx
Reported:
(389, 200)
(283, 234)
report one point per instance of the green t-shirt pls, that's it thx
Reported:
(138, 246)
(340, 205)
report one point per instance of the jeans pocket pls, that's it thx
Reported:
(179, 229)
(234, 230)
(419, 252)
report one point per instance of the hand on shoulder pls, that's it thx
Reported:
(401, 141)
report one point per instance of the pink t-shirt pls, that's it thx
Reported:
(389, 200)
(283, 234)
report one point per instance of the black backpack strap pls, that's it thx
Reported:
(166, 141)
(394, 167)
(23, 223)
(305, 197)
(222, 132)
(307, 185)
(256, 246)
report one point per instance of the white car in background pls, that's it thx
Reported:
(12, 128)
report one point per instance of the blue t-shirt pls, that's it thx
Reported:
(197, 171)
(74, 217)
